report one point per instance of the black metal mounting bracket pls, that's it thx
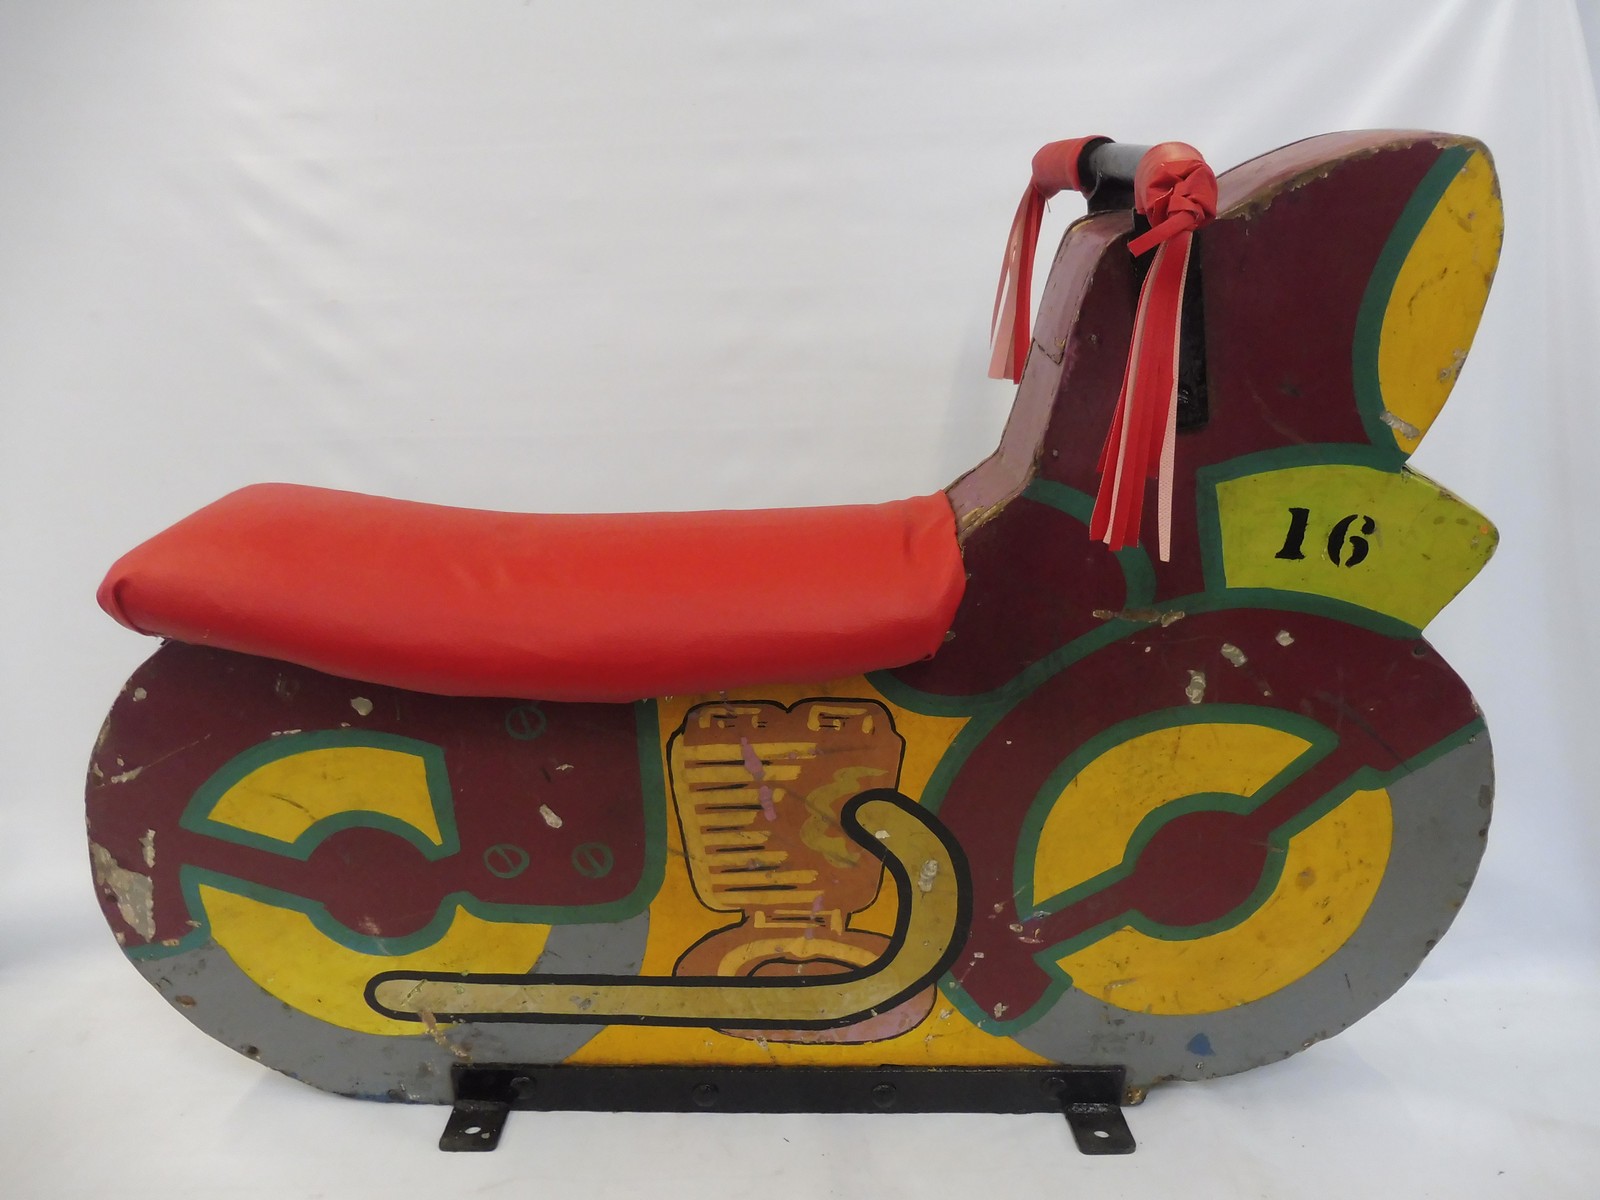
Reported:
(1089, 1097)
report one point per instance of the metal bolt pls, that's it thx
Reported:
(885, 1096)
(705, 1095)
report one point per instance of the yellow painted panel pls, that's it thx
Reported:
(286, 797)
(290, 959)
(932, 924)
(944, 1038)
(1331, 873)
(1437, 299)
(1090, 823)
(1390, 541)
(678, 920)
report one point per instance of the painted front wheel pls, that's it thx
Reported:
(1351, 898)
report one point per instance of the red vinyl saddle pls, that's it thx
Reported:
(599, 607)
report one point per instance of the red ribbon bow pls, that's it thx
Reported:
(1176, 192)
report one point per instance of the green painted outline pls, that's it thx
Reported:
(1139, 581)
(1320, 742)
(1138, 572)
(653, 791)
(652, 872)
(1380, 287)
(1139, 575)
(986, 710)
(197, 816)
(1209, 519)
(1364, 779)
(192, 878)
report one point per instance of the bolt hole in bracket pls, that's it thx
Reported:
(1090, 1098)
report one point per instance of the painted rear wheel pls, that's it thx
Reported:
(267, 839)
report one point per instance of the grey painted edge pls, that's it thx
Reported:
(226, 1003)
(1441, 815)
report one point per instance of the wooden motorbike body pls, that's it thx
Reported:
(1181, 817)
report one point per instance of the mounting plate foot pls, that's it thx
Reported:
(1089, 1097)
(1099, 1128)
(474, 1125)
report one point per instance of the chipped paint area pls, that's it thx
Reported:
(1196, 691)
(1284, 638)
(549, 816)
(1399, 424)
(1447, 374)
(148, 844)
(362, 705)
(431, 1024)
(1144, 616)
(133, 892)
(139, 694)
(926, 876)
(1233, 654)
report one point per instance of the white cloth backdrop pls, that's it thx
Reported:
(712, 254)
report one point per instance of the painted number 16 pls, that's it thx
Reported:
(1345, 549)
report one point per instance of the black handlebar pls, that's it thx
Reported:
(1106, 169)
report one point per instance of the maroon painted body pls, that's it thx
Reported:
(1060, 651)
(506, 759)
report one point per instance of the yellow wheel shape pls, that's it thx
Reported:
(1438, 296)
(281, 947)
(1328, 877)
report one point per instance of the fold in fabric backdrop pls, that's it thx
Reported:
(621, 257)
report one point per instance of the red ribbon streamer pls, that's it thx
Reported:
(1176, 192)
(1055, 170)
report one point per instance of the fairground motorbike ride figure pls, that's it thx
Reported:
(960, 802)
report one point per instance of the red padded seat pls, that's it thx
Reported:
(587, 608)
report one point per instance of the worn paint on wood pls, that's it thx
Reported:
(1189, 817)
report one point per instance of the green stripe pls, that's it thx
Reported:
(1380, 287)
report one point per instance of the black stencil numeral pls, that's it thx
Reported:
(1298, 519)
(1345, 549)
